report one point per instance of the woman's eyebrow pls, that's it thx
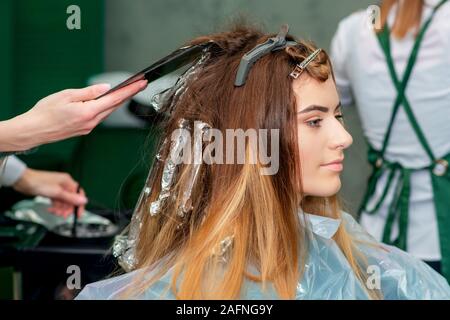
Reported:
(318, 108)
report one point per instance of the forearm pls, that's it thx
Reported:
(63, 115)
(17, 134)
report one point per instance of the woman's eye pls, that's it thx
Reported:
(314, 123)
(340, 118)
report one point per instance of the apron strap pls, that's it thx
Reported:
(384, 40)
(399, 205)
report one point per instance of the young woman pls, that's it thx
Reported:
(399, 78)
(230, 230)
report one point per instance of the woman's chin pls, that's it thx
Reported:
(335, 186)
(327, 189)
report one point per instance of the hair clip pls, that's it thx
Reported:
(272, 44)
(299, 68)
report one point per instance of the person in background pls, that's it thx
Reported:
(399, 79)
(58, 186)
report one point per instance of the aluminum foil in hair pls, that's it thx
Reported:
(159, 154)
(124, 250)
(224, 247)
(124, 247)
(125, 244)
(200, 128)
(177, 145)
(160, 100)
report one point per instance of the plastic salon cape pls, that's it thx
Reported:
(327, 274)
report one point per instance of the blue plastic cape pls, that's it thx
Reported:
(327, 273)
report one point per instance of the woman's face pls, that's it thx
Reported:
(321, 135)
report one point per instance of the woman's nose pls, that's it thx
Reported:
(342, 139)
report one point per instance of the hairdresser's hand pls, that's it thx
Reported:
(59, 187)
(66, 114)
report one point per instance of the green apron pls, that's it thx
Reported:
(440, 176)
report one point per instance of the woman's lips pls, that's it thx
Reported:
(335, 166)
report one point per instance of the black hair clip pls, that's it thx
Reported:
(177, 59)
(272, 44)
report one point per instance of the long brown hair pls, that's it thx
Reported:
(409, 14)
(260, 211)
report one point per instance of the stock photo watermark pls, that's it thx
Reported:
(373, 17)
(73, 282)
(373, 281)
(73, 21)
(218, 152)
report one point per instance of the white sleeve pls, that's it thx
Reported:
(339, 57)
(13, 170)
